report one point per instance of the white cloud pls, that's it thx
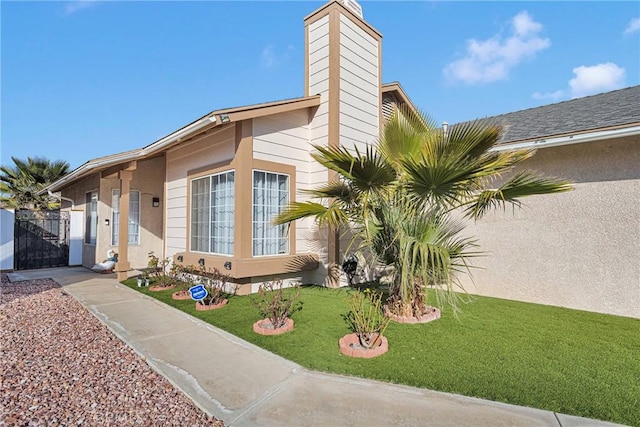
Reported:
(552, 96)
(599, 78)
(633, 27)
(269, 58)
(75, 6)
(492, 59)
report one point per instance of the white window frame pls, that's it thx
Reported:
(229, 214)
(286, 236)
(134, 218)
(91, 221)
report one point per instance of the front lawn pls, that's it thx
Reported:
(568, 361)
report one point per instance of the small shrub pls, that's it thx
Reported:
(181, 277)
(276, 304)
(216, 284)
(158, 269)
(366, 318)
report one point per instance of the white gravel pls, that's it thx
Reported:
(59, 366)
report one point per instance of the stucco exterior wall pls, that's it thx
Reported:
(578, 249)
(212, 149)
(148, 180)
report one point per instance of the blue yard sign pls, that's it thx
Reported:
(198, 292)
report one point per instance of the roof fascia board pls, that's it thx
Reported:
(397, 88)
(204, 123)
(92, 166)
(571, 139)
(270, 109)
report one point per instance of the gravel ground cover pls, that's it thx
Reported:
(60, 366)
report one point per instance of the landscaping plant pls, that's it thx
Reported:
(396, 200)
(277, 304)
(158, 269)
(366, 318)
(182, 277)
(216, 284)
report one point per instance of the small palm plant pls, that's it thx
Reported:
(398, 200)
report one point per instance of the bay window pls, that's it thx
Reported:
(270, 197)
(212, 213)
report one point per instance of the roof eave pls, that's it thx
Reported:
(213, 119)
(577, 138)
(399, 90)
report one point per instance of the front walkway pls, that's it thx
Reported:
(244, 385)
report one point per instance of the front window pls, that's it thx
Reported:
(212, 213)
(91, 212)
(270, 197)
(134, 217)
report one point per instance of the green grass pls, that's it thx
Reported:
(568, 361)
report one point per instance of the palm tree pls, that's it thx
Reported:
(405, 200)
(20, 184)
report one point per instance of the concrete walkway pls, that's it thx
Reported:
(244, 385)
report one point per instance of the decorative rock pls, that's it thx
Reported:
(431, 315)
(265, 327)
(350, 346)
(205, 307)
(180, 295)
(61, 366)
(158, 288)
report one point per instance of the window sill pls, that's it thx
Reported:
(245, 268)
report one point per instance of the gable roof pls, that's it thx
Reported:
(213, 119)
(608, 111)
(396, 89)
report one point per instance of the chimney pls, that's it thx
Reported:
(343, 64)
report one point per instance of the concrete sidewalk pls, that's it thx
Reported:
(244, 385)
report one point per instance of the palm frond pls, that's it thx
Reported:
(521, 185)
(367, 171)
(331, 215)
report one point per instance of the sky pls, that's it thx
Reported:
(85, 79)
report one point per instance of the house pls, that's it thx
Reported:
(578, 249)
(205, 194)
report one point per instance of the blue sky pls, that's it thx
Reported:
(87, 79)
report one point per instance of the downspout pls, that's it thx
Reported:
(55, 196)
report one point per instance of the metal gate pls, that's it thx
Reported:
(41, 239)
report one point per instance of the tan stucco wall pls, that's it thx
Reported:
(148, 178)
(578, 249)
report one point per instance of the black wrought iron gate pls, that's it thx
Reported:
(41, 239)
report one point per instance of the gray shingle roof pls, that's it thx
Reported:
(616, 108)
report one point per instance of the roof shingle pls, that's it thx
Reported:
(617, 108)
